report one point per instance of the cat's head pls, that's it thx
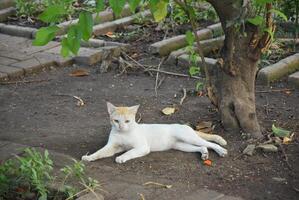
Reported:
(122, 118)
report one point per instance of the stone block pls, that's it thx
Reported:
(95, 43)
(12, 72)
(102, 29)
(4, 13)
(89, 56)
(125, 12)
(34, 64)
(166, 46)
(12, 42)
(216, 29)
(58, 60)
(6, 61)
(7, 3)
(3, 76)
(104, 16)
(114, 51)
(14, 54)
(17, 31)
(30, 49)
(294, 79)
(278, 70)
(108, 43)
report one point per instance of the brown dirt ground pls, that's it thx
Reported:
(36, 114)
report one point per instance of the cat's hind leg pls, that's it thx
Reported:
(192, 148)
(107, 151)
(189, 136)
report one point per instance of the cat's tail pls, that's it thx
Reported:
(212, 137)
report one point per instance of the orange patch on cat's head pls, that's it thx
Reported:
(123, 111)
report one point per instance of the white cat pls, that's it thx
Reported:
(141, 139)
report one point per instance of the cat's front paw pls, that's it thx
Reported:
(120, 159)
(87, 158)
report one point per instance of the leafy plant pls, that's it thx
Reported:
(31, 174)
(180, 17)
(194, 69)
(76, 171)
(27, 8)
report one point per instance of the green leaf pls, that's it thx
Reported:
(86, 24)
(190, 38)
(100, 5)
(117, 6)
(280, 132)
(263, 2)
(159, 9)
(193, 70)
(52, 14)
(45, 35)
(74, 36)
(279, 14)
(199, 86)
(65, 51)
(257, 21)
(133, 4)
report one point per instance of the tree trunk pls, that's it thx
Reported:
(234, 80)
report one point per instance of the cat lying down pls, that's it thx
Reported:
(138, 140)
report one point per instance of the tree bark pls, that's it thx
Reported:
(234, 79)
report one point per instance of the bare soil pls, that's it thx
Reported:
(39, 114)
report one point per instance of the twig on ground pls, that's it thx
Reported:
(267, 106)
(173, 73)
(238, 156)
(184, 96)
(286, 158)
(80, 192)
(28, 81)
(160, 82)
(137, 63)
(158, 184)
(80, 102)
(91, 190)
(157, 76)
(275, 90)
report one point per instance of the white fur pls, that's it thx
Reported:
(138, 140)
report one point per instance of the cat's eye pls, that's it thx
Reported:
(127, 121)
(115, 120)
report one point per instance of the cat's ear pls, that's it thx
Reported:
(134, 109)
(111, 108)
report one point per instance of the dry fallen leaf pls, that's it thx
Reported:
(168, 110)
(110, 34)
(288, 140)
(79, 72)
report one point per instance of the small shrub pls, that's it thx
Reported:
(29, 175)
